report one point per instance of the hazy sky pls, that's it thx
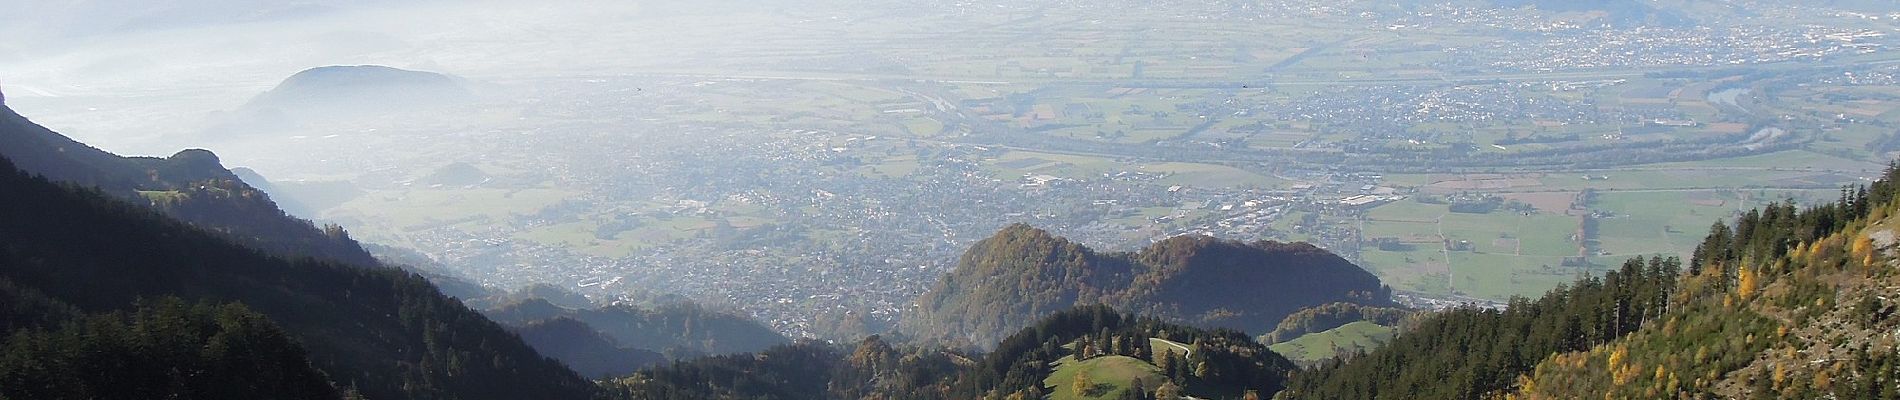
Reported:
(122, 73)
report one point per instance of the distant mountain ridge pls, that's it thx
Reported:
(677, 330)
(360, 83)
(585, 349)
(1022, 273)
(339, 93)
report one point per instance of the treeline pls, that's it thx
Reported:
(385, 332)
(1770, 232)
(1226, 363)
(1789, 303)
(1650, 330)
(1334, 315)
(797, 371)
(164, 349)
(806, 370)
(249, 217)
(1223, 364)
(1513, 139)
(1468, 353)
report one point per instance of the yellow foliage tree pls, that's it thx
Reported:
(1526, 385)
(1083, 386)
(1746, 281)
(1168, 391)
(1863, 247)
(1619, 373)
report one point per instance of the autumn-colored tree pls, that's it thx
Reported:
(1082, 386)
(1167, 362)
(1168, 391)
(1747, 281)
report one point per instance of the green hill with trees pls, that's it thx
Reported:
(1343, 341)
(1022, 273)
(1115, 352)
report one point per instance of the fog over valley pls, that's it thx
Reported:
(1204, 199)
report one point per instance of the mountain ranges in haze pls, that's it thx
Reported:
(204, 236)
(145, 277)
(340, 93)
(92, 235)
(371, 330)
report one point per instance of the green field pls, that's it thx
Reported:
(1503, 254)
(1112, 375)
(388, 215)
(586, 236)
(1015, 164)
(1209, 175)
(161, 196)
(1792, 159)
(1317, 346)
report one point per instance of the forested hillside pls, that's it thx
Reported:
(384, 332)
(191, 185)
(1185, 361)
(1785, 302)
(164, 349)
(1790, 303)
(1023, 273)
(1469, 353)
(1331, 316)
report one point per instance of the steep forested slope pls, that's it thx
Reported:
(1791, 303)
(1468, 353)
(1785, 302)
(191, 186)
(385, 332)
(164, 350)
